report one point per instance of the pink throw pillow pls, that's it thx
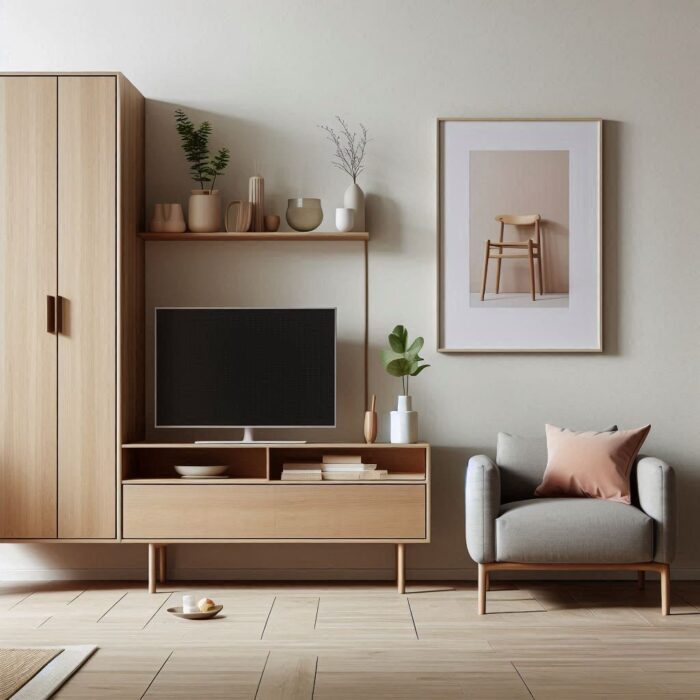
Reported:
(590, 464)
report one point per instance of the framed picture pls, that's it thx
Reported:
(519, 235)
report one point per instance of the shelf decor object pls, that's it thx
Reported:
(370, 426)
(256, 195)
(549, 174)
(239, 216)
(204, 211)
(168, 218)
(344, 219)
(349, 157)
(330, 236)
(304, 213)
(272, 223)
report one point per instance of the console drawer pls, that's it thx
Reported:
(274, 511)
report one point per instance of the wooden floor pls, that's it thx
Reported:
(556, 640)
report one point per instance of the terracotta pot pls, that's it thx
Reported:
(204, 211)
(272, 222)
(173, 219)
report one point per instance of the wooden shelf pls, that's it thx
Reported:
(251, 236)
(275, 445)
(179, 480)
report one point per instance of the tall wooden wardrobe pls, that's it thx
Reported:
(71, 300)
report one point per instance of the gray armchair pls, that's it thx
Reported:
(509, 529)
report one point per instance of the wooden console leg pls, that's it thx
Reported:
(400, 568)
(483, 578)
(152, 556)
(487, 582)
(640, 580)
(162, 563)
(665, 590)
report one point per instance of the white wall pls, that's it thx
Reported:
(267, 73)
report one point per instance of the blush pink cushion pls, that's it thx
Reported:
(590, 465)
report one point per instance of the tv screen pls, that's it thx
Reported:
(221, 367)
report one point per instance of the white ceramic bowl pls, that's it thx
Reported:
(215, 470)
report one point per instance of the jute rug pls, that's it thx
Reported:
(35, 674)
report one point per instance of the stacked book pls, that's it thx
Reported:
(332, 468)
(349, 468)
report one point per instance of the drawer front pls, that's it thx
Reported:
(274, 511)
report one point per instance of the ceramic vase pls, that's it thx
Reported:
(370, 425)
(355, 199)
(173, 219)
(204, 211)
(272, 223)
(404, 422)
(304, 213)
(239, 216)
(256, 195)
(344, 219)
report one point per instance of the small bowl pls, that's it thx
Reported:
(196, 471)
(177, 611)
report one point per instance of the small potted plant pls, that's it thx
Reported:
(404, 361)
(204, 211)
(349, 157)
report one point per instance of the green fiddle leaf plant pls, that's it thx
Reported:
(401, 359)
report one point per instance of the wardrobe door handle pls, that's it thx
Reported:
(50, 314)
(59, 314)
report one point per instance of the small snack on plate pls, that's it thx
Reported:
(206, 604)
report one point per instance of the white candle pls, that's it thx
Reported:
(188, 604)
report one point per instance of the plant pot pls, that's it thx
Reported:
(404, 422)
(355, 199)
(204, 211)
(304, 214)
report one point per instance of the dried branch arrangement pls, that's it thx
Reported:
(350, 147)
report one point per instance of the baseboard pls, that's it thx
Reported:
(320, 574)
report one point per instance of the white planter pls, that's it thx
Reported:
(404, 423)
(355, 199)
(204, 211)
(344, 219)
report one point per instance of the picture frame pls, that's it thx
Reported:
(502, 182)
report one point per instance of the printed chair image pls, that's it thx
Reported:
(498, 250)
(507, 528)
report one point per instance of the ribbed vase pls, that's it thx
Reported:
(256, 195)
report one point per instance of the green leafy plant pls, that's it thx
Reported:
(401, 359)
(195, 144)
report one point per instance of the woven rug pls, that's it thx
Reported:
(18, 666)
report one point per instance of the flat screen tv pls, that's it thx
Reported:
(247, 367)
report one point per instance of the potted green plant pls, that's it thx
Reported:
(204, 211)
(404, 361)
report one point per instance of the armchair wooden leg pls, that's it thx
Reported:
(483, 583)
(665, 590)
(152, 567)
(401, 568)
(486, 269)
(162, 563)
(640, 580)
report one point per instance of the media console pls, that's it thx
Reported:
(254, 505)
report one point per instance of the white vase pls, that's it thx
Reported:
(344, 219)
(355, 199)
(404, 422)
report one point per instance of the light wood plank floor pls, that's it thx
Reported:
(335, 641)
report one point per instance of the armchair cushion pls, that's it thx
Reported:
(573, 531)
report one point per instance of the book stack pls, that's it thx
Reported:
(349, 468)
(302, 471)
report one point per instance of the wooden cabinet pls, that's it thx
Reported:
(63, 225)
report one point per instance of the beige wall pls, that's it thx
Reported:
(519, 182)
(267, 73)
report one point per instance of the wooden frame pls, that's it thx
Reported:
(663, 570)
(440, 122)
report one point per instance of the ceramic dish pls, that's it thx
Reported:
(215, 470)
(196, 615)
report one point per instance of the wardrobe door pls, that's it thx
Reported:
(27, 291)
(87, 297)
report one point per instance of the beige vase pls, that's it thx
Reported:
(204, 211)
(173, 219)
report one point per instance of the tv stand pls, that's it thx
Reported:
(248, 438)
(255, 505)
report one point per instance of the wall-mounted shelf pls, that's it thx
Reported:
(253, 236)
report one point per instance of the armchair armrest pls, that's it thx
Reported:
(482, 501)
(656, 488)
